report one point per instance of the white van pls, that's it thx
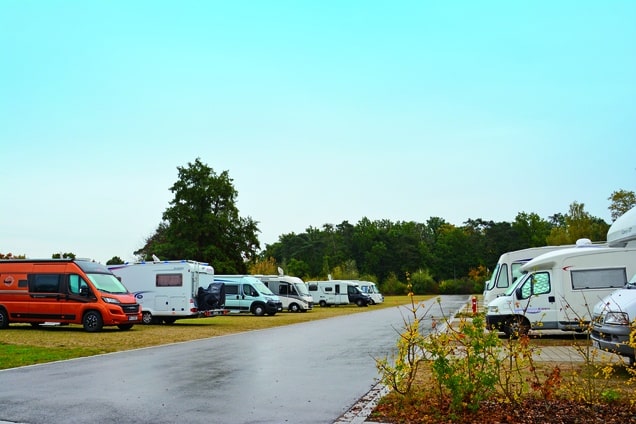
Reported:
(171, 290)
(370, 288)
(560, 288)
(613, 316)
(508, 268)
(337, 292)
(292, 291)
(248, 294)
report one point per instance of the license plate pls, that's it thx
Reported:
(132, 318)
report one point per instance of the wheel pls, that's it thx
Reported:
(516, 327)
(323, 303)
(169, 320)
(92, 321)
(4, 318)
(294, 307)
(258, 309)
(360, 302)
(146, 317)
(125, 327)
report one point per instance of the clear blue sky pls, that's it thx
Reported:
(321, 112)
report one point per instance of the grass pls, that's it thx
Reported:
(21, 344)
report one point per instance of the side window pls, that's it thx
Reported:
(313, 287)
(526, 289)
(351, 290)
(76, 283)
(502, 278)
(283, 289)
(541, 283)
(45, 283)
(169, 280)
(329, 289)
(249, 290)
(231, 289)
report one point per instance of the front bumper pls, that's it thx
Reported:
(612, 338)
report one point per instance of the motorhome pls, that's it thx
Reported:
(337, 292)
(172, 289)
(371, 289)
(560, 288)
(64, 291)
(508, 268)
(292, 291)
(248, 294)
(614, 316)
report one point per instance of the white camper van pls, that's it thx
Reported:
(508, 268)
(248, 294)
(292, 291)
(337, 292)
(560, 288)
(171, 290)
(614, 316)
(370, 288)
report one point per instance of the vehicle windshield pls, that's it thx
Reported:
(262, 288)
(490, 284)
(107, 283)
(302, 289)
(510, 290)
(631, 284)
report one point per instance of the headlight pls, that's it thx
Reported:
(110, 300)
(617, 318)
(493, 309)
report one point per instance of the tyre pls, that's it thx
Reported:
(4, 318)
(323, 303)
(360, 302)
(516, 327)
(92, 321)
(146, 317)
(294, 307)
(258, 309)
(125, 327)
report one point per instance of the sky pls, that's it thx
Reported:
(320, 111)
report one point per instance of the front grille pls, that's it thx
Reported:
(130, 309)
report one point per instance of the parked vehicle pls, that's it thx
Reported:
(371, 289)
(614, 316)
(245, 294)
(508, 268)
(64, 291)
(337, 292)
(292, 291)
(172, 290)
(560, 288)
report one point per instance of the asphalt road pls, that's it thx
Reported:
(305, 373)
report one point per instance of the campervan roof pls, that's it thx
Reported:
(623, 230)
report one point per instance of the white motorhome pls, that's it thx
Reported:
(508, 268)
(337, 292)
(292, 291)
(248, 294)
(171, 290)
(370, 288)
(560, 289)
(614, 316)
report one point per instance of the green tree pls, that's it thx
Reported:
(622, 201)
(203, 223)
(577, 224)
(60, 255)
(115, 260)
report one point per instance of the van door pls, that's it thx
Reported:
(233, 296)
(45, 293)
(76, 291)
(536, 299)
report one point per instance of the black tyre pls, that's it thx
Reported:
(294, 307)
(258, 309)
(516, 327)
(146, 318)
(361, 302)
(92, 321)
(125, 327)
(323, 303)
(4, 318)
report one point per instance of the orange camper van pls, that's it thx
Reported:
(65, 291)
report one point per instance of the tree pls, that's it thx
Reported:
(622, 201)
(203, 223)
(577, 224)
(115, 260)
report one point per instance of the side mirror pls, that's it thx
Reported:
(518, 293)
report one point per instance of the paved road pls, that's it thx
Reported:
(305, 373)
